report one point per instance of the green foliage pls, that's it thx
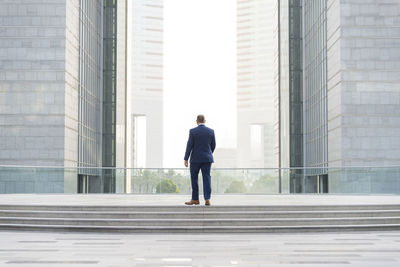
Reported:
(236, 187)
(181, 181)
(220, 181)
(167, 186)
(265, 184)
(144, 181)
(152, 181)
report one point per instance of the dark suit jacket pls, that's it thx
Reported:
(201, 145)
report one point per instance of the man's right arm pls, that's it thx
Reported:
(213, 143)
(189, 146)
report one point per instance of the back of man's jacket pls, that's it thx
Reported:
(201, 145)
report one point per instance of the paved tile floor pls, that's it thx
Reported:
(117, 250)
(127, 199)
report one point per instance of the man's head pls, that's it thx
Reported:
(200, 119)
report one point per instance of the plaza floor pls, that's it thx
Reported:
(127, 199)
(115, 250)
(24, 248)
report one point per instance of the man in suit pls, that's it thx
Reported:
(200, 146)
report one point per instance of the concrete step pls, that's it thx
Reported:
(198, 215)
(201, 222)
(197, 219)
(199, 208)
(204, 229)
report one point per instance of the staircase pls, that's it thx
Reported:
(200, 219)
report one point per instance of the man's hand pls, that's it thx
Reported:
(186, 163)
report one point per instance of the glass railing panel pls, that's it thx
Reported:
(42, 180)
(385, 180)
(144, 181)
(245, 181)
(286, 176)
(364, 180)
(23, 180)
(173, 181)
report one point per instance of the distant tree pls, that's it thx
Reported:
(170, 173)
(265, 184)
(181, 181)
(144, 181)
(220, 181)
(236, 187)
(167, 186)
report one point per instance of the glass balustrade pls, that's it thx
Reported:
(360, 180)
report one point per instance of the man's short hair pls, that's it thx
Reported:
(201, 119)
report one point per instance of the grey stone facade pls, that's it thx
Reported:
(51, 68)
(363, 43)
(363, 83)
(38, 93)
(351, 94)
(37, 84)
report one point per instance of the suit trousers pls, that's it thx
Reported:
(194, 175)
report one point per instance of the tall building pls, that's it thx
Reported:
(63, 93)
(224, 158)
(349, 87)
(255, 90)
(116, 96)
(288, 103)
(147, 83)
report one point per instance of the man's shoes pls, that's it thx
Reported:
(208, 203)
(192, 202)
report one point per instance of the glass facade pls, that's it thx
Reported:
(90, 93)
(290, 90)
(100, 54)
(109, 91)
(295, 84)
(315, 91)
(296, 94)
(90, 87)
(97, 95)
(109, 81)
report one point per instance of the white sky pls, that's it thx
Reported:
(199, 72)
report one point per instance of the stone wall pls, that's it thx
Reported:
(364, 66)
(364, 95)
(32, 88)
(38, 94)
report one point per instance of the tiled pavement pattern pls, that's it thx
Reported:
(115, 250)
(127, 199)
